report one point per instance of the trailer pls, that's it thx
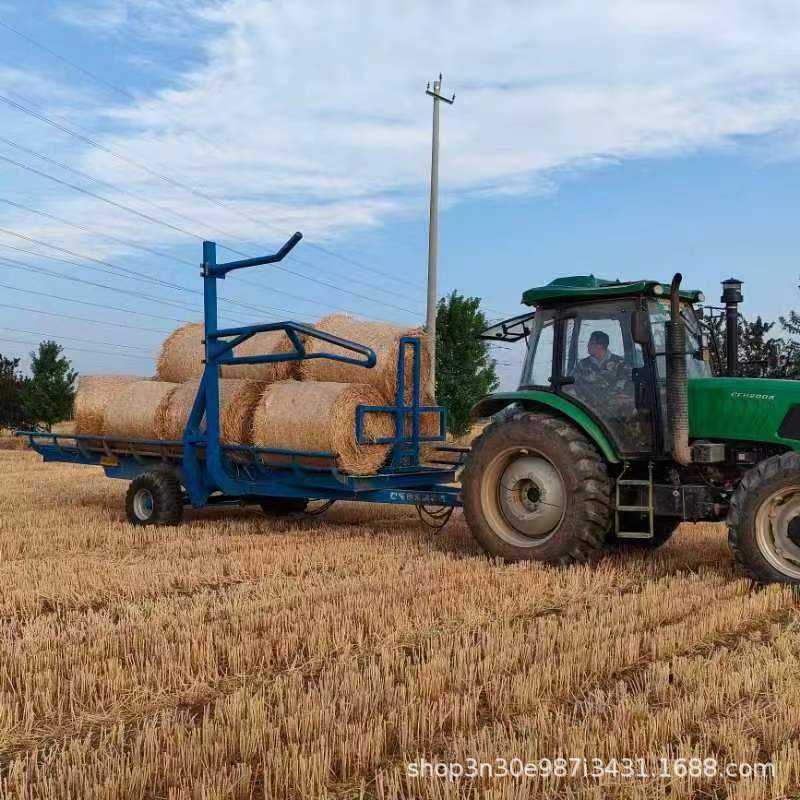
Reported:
(200, 470)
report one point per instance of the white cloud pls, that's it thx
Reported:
(314, 114)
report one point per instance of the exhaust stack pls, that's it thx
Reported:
(732, 296)
(677, 378)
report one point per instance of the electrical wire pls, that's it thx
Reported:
(170, 181)
(76, 339)
(82, 349)
(89, 303)
(83, 319)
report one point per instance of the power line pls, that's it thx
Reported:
(95, 232)
(170, 181)
(13, 264)
(154, 220)
(82, 349)
(67, 61)
(125, 93)
(89, 303)
(74, 339)
(83, 319)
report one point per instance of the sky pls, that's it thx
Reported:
(622, 139)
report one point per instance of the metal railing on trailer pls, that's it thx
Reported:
(204, 470)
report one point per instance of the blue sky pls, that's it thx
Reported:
(625, 139)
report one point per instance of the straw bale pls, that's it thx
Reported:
(181, 356)
(238, 400)
(322, 416)
(135, 409)
(94, 394)
(383, 338)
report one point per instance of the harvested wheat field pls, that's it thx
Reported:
(240, 657)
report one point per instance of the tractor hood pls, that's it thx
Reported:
(747, 409)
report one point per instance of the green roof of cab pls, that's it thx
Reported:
(587, 287)
(493, 403)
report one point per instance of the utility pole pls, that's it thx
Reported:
(433, 225)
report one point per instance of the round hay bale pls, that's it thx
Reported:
(181, 356)
(135, 410)
(238, 400)
(383, 338)
(322, 416)
(94, 394)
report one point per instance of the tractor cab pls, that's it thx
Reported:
(600, 346)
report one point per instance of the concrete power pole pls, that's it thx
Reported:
(433, 226)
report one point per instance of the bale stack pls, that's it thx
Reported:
(181, 356)
(262, 404)
(321, 416)
(237, 402)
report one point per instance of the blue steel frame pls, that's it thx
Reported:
(212, 471)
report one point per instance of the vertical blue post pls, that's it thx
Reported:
(211, 372)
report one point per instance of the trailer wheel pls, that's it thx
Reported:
(535, 488)
(283, 506)
(764, 520)
(154, 498)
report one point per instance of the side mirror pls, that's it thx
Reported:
(640, 328)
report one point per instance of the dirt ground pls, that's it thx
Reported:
(236, 656)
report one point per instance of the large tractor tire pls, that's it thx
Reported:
(663, 529)
(764, 520)
(154, 498)
(535, 488)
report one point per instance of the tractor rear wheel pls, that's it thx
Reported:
(154, 498)
(764, 520)
(535, 488)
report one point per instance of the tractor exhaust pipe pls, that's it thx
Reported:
(732, 296)
(677, 378)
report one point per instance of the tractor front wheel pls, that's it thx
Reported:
(764, 520)
(535, 488)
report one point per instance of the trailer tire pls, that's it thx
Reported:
(154, 498)
(764, 520)
(283, 506)
(535, 488)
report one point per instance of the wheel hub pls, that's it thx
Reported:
(143, 504)
(532, 496)
(778, 531)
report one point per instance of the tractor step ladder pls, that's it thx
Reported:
(637, 484)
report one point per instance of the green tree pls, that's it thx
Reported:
(465, 370)
(12, 383)
(49, 394)
(760, 355)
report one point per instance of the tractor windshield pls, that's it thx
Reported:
(697, 365)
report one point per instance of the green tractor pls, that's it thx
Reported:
(619, 432)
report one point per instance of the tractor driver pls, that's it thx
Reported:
(603, 379)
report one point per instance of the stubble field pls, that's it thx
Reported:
(241, 657)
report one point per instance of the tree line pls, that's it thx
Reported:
(43, 398)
